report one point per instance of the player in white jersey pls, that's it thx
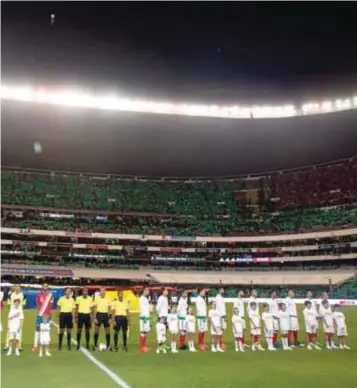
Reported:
(239, 304)
(294, 321)
(191, 329)
(201, 311)
(284, 324)
(144, 317)
(253, 298)
(162, 305)
(238, 324)
(221, 307)
(45, 336)
(268, 322)
(273, 309)
(173, 324)
(310, 318)
(15, 318)
(161, 336)
(325, 313)
(255, 326)
(339, 320)
(182, 313)
(215, 318)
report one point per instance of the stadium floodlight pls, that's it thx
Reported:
(72, 98)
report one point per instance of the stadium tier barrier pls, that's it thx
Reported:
(267, 238)
(182, 278)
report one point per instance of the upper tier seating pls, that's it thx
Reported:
(215, 208)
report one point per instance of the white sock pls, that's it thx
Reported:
(236, 344)
(270, 342)
(36, 339)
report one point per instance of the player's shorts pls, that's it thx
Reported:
(45, 340)
(311, 329)
(191, 329)
(121, 323)
(66, 321)
(14, 335)
(294, 324)
(182, 325)
(144, 325)
(161, 339)
(328, 329)
(84, 320)
(255, 331)
(284, 332)
(202, 325)
(102, 319)
(237, 334)
(173, 329)
(342, 332)
(268, 333)
(218, 331)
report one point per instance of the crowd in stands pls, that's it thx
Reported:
(318, 186)
(288, 221)
(182, 208)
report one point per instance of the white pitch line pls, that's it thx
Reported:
(119, 381)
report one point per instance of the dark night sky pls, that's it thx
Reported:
(222, 52)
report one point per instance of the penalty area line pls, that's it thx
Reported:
(118, 380)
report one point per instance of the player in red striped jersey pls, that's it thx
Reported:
(44, 302)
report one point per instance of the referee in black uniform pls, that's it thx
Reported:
(120, 312)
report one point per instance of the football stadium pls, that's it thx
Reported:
(150, 242)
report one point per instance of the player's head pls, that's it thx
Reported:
(273, 295)
(221, 290)
(253, 305)
(308, 304)
(266, 307)
(189, 311)
(85, 291)
(184, 294)
(240, 294)
(203, 293)
(283, 306)
(67, 292)
(235, 311)
(213, 304)
(146, 291)
(45, 287)
(291, 293)
(17, 288)
(324, 295)
(254, 293)
(325, 303)
(45, 318)
(162, 319)
(102, 292)
(165, 292)
(309, 294)
(17, 303)
(335, 307)
(120, 296)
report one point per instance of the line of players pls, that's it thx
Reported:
(178, 320)
(276, 317)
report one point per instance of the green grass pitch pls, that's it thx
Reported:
(299, 368)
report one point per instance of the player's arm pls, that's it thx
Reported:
(128, 314)
(59, 304)
(76, 308)
(158, 305)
